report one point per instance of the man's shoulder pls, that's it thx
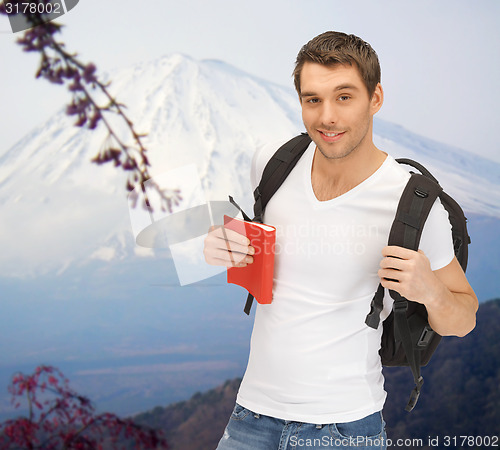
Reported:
(395, 172)
(261, 157)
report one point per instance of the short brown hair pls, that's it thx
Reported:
(333, 47)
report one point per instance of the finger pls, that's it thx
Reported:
(233, 247)
(218, 251)
(221, 257)
(389, 262)
(390, 274)
(232, 240)
(398, 276)
(391, 284)
(395, 251)
(230, 235)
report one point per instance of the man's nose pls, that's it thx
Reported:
(329, 113)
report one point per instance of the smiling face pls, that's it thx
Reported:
(337, 110)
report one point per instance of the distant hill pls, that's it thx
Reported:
(461, 392)
(197, 423)
(461, 396)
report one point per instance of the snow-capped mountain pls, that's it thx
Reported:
(59, 209)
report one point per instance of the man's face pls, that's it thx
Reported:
(336, 108)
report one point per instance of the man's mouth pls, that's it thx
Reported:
(328, 135)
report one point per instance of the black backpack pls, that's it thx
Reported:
(407, 338)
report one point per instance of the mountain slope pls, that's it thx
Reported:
(207, 413)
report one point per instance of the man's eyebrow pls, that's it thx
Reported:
(338, 88)
(346, 86)
(308, 94)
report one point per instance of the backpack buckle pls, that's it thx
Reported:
(426, 337)
(419, 192)
(400, 306)
(415, 394)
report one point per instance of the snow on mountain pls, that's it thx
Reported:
(58, 209)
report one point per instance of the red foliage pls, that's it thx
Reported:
(59, 418)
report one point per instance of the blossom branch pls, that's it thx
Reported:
(58, 66)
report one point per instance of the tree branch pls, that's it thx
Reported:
(62, 67)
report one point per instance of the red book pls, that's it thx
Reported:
(257, 277)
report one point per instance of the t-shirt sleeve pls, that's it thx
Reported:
(436, 241)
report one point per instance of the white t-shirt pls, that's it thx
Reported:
(312, 357)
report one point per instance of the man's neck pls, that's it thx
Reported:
(334, 177)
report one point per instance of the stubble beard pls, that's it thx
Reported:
(342, 153)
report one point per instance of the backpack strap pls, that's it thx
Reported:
(418, 166)
(414, 206)
(277, 169)
(461, 238)
(402, 332)
(245, 216)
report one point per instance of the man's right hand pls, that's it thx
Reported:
(225, 247)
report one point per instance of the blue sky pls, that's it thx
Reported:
(440, 63)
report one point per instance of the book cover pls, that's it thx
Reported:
(257, 277)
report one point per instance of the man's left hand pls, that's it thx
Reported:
(409, 273)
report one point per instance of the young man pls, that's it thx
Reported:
(314, 373)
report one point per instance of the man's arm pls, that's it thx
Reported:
(447, 295)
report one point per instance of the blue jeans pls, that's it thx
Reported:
(249, 431)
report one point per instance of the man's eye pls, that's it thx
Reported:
(313, 100)
(343, 98)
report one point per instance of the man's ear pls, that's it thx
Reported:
(377, 99)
